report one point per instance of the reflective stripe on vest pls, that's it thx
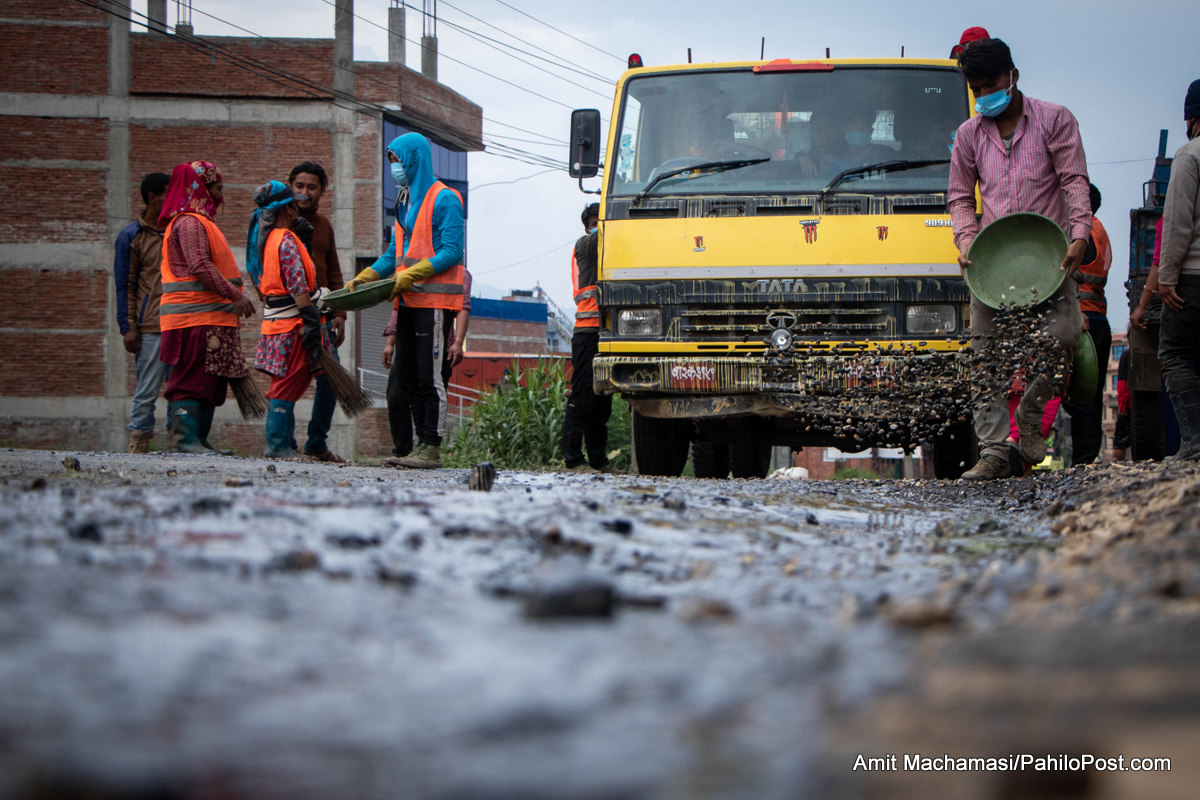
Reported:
(587, 305)
(445, 289)
(1095, 273)
(283, 318)
(189, 303)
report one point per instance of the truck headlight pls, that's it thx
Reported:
(639, 322)
(931, 319)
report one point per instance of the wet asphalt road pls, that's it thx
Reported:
(203, 627)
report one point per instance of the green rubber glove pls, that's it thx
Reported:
(368, 275)
(407, 277)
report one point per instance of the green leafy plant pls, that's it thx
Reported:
(843, 473)
(519, 423)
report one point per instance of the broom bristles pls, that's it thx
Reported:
(352, 398)
(250, 399)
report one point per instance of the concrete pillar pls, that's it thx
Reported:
(119, 212)
(396, 42)
(429, 57)
(343, 47)
(342, 436)
(157, 14)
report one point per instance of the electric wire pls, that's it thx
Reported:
(564, 33)
(484, 41)
(283, 78)
(515, 180)
(465, 64)
(524, 260)
(275, 75)
(569, 64)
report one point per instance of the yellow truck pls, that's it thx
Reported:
(777, 265)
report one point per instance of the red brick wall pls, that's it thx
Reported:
(168, 65)
(57, 59)
(374, 437)
(487, 335)
(45, 138)
(52, 363)
(56, 434)
(58, 10)
(38, 201)
(59, 349)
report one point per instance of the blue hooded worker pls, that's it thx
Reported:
(428, 286)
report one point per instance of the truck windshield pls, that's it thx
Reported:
(809, 127)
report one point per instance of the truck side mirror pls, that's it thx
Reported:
(584, 158)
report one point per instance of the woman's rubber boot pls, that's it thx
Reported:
(206, 419)
(281, 423)
(185, 420)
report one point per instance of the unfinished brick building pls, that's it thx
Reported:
(88, 106)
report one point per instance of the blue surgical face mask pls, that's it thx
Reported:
(858, 138)
(993, 105)
(398, 174)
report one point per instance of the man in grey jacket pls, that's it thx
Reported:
(1179, 282)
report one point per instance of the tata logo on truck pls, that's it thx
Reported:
(781, 285)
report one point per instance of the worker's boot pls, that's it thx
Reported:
(186, 423)
(139, 441)
(989, 467)
(429, 456)
(1188, 414)
(398, 461)
(206, 420)
(281, 422)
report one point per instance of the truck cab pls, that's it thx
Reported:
(776, 260)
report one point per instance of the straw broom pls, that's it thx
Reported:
(352, 398)
(250, 399)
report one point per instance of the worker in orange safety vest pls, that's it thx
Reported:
(587, 412)
(1087, 421)
(426, 257)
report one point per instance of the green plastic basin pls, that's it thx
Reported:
(1015, 261)
(364, 296)
(1085, 372)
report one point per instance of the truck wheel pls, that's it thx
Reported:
(710, 459)
(660, 446)
(1147, 438)
(749, 460)
(955, 452)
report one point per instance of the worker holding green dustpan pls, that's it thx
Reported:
(1024, 155)
(426, 260)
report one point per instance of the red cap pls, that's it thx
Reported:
(973, 35)
(969, 35)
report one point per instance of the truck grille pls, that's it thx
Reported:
(810, 322)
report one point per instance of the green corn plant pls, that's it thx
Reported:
(519, 423)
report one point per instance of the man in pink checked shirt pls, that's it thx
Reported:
(1025, 155)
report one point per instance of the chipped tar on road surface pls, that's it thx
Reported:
(206, 627)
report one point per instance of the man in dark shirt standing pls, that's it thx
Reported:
(138, 274)
(587, 412)
(309, 181)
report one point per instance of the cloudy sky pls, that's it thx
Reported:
(1122, 69)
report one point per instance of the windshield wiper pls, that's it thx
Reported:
(883, 166)
(706, 168)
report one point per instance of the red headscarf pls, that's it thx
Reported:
(969, 35)
(188, 191)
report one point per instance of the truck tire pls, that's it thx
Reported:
(749, 460)
(710, 459)
(660, 446)
(1147, 437)
(955, 452)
